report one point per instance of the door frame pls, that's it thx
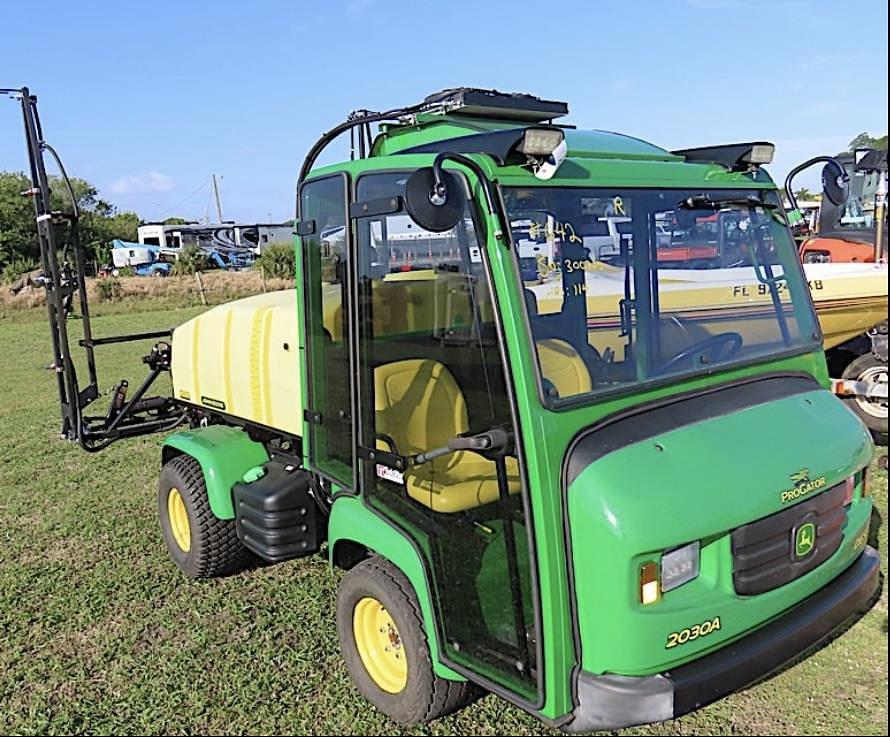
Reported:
(484, 238)
(310, 414)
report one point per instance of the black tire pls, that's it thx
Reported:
(214, 549)
(425, 696)
(868, 368)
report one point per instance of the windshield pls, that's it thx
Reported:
(624, 287)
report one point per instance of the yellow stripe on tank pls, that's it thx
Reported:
(196, 352)
(227, 360)
(267, 364)
(256, 389)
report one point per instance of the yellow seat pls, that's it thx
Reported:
(563, 367)
(419, 405)
(560, 363)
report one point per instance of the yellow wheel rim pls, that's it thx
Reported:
(179, 520)
(379, 645)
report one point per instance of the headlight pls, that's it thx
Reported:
(649, 591)
(540, 141)
(679, 566)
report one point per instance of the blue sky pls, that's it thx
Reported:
(146, 100)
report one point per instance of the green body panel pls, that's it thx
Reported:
(225, 454)
(352, 521)
(699, 482)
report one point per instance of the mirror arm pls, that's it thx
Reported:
(806, 165)
(492, 201)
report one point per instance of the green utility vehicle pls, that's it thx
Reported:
(611, 489)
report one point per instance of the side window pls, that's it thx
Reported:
(326, 259)
(431, 375)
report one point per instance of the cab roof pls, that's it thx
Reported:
(434, 133)
(487, 122)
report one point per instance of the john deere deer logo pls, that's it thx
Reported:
(803, 485)
(801, 476)
(804, 540)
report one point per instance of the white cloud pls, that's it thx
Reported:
(140, 183)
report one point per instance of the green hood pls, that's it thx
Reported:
(678, 474)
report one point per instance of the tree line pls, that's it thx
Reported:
(100, 221)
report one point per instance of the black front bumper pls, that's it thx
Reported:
(611, 702)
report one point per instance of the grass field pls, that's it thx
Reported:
(99, 632)
(172, 292)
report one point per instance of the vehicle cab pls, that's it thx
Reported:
(601, 471)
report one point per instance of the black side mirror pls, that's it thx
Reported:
(835, 183)
(435, 204)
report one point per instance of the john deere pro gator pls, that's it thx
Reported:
(562, 457)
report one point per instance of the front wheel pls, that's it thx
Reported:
(871, 371)
(384, 644)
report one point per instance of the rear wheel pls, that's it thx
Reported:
(202, 545)
(871, 371)
(385, 646)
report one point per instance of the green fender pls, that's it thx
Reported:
(352, 521)
(224, 453)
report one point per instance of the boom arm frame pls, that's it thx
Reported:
(63, 279)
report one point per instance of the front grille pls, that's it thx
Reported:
(763, 552)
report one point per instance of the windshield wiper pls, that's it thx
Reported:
(704, 202)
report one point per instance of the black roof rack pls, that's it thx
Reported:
(493, 104)
(465, 100)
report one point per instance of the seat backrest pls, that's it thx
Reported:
(563, 367)
(419, 405)
(561, 364)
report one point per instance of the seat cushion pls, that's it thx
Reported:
(418, 407)
(470, 482)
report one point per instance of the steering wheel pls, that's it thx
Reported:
(717, 348)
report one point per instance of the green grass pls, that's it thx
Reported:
(100, 633)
